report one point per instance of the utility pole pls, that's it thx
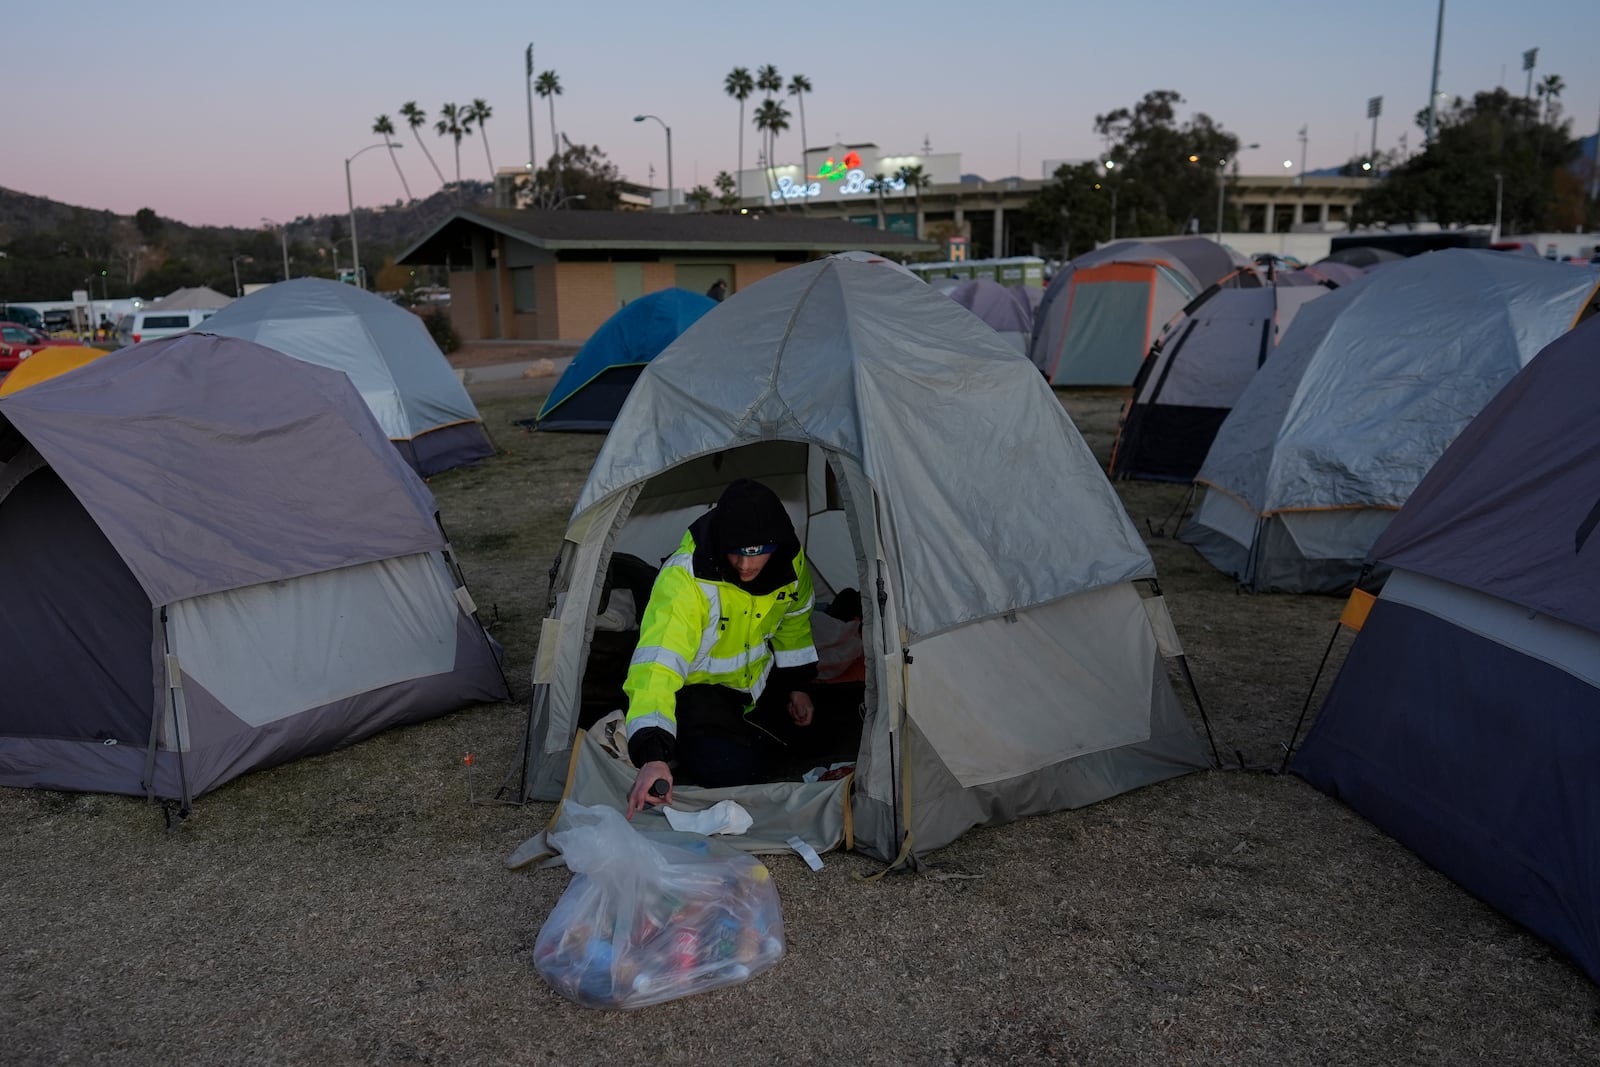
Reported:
(1530, 59)
(1433, 90)
(1304, 140)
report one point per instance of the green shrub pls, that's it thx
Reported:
(442, 329)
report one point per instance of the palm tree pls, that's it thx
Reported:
(1548, 89)
(799, 86)
(916, 180)
(548, 85)
(879, 185)
(701, 198)
(479, 112)
(727, 189)
(457, 124)
(768, 80)
(416, 117)
(739, 85)
(383, 126)
(771, 119)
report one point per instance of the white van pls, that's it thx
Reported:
(152, 324)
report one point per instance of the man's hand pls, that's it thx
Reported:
(640, 794)
(800, 708)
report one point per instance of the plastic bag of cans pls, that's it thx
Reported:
(653, 917)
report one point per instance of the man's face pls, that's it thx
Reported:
(747, 567)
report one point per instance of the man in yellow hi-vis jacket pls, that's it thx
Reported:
(724, 644)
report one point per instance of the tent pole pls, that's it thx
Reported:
(1289, 748)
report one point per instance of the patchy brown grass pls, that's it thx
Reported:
(353, 908)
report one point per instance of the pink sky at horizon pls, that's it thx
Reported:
(245, 118)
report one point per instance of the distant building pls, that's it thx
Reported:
(557, 275)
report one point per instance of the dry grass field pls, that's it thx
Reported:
(354, 908)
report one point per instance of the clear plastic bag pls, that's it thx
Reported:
(646, 921)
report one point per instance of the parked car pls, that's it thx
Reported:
(152, 324)
(17, 343)
(22, 316)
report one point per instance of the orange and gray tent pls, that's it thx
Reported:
(1193, 375)
(46, 364)
(1103, 310)
(1466, 717)
(214, 561)
(385, 350)
(1362, 395)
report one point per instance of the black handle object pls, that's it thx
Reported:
(659, 787)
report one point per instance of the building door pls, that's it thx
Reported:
(630, 282)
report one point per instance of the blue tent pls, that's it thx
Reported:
(1465, 721)
(600, 376)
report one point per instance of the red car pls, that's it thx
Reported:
(18, 342)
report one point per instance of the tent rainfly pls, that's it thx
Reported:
(1363, 394)
(1012, 666)
(590, 392)
(1466, 718)
(214, 562)
(385, 350)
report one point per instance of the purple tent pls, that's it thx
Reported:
(1003, 307)
(1466, 718)
(214, 561)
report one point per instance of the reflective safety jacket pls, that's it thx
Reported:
(701, 629)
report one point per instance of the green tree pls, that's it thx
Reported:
(1069, 214)
(1454, 182)
(480, 111)
(548, 86)
(148, 223)
(416, 118)
(384, 127)
(1170, 169)
(701, 198)
(739, 85)
(727, 191)
(584, 170)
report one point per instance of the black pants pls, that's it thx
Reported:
(720, 746)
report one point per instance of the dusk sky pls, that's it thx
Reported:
(222, 113)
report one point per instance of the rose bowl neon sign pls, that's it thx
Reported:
(847, 174)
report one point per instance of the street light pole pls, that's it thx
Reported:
(569, 196)
(238, 290)
(1499, 191)
(350, 201)
(1111, 165)
(533, 156)
(1433, 88)
(283, 231)
(671, 206)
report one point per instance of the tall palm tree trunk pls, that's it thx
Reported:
(431, 161)
(396, 161)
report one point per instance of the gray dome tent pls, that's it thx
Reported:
(1362, 395)
(385, 350)
(214, 562)
(1012, 665)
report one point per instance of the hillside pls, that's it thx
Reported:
(48, 249)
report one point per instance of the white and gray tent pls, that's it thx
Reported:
(384, 349)
(1012, 665)
(213, 561)
(1363, 394)
(1195, 372)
